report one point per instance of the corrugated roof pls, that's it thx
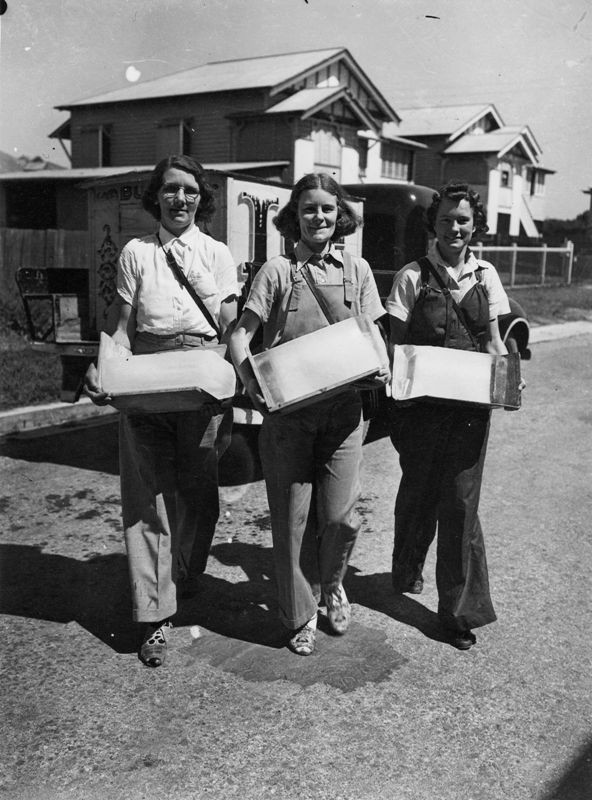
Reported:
(493, 142)
(87, 173)
(72, 174)
(304, 100)
(218, 76)
(310, 101)
(439, 120)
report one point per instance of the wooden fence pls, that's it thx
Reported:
(39, 248)
(530, 265)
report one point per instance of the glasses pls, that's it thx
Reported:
(171, 190)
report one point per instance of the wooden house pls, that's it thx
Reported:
(276, 117)
(503, 163)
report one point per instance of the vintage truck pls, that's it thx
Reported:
(67, 308)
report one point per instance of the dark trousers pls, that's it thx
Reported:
(442, 451)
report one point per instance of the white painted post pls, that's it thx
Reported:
(513, 265)
(543, 264)
(479, 250)
(570, 256)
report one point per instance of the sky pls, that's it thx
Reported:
(531, 58)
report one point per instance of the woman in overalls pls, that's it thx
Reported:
(447, 299)
(311, 457)
(169, 461)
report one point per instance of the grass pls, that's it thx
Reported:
(27, 377)
(548, 304)
(31, 378)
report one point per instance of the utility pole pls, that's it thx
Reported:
(589, 225)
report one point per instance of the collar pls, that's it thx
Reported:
(187, 238)
(303, 254)
(470, 263)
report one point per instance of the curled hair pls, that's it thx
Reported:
(458, 191)
(206, 205)
(286, 220)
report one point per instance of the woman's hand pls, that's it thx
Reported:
(92, 388)
(381, 378)
(254, 391)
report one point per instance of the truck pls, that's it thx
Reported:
(66, 309)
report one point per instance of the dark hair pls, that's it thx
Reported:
(206, 206)
(286, 220)
(458, 191)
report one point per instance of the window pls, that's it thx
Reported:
(175, 136)
(95, 146)
(397, 163)
(505, 178)
(363, 155)
(536, 182)
(327, 150)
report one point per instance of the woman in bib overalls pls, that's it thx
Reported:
(311, 457)
(448, 299)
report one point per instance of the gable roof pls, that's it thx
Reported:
(451, 121)
(308, 102)
(499, 142)
(275, 73)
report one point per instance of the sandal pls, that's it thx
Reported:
(303, 641)
(338, 610)
(154, 645)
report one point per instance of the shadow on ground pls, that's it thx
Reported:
(238, 626)
(94, 445)
(90, 447)
(375, 591)
(576, 783)
(259, 653)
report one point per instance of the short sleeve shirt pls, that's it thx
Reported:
(407, 284)
(146, 281)
(270, 293)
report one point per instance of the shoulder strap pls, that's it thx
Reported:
(317, 295)
(424, 266)
(348, 276)
(182, 278)
(450, 298)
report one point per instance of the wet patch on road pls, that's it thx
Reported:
(344, 662)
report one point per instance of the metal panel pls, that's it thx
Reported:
(319, 364)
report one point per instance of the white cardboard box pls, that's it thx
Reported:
(319, 364)
(447, 375)
(173, 380)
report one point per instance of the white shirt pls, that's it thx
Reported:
(407, 284)
(148, 284)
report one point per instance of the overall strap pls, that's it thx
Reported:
(451, 301)
(296, 284)
(348, 276)
(348, 285)
(182, 278)
(424, 266)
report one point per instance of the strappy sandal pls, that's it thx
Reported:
(338, 610)
(303, 641)
(154, 645)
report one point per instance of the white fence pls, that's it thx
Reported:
(529, 265)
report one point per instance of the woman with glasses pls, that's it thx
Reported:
(169, 461)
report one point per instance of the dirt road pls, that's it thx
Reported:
(388, 711)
